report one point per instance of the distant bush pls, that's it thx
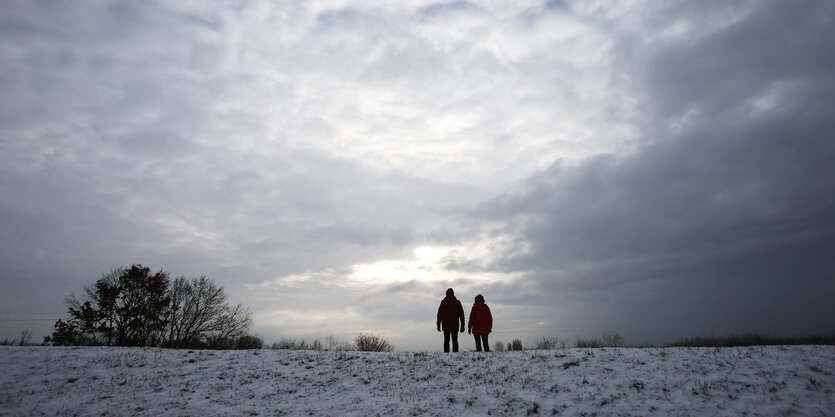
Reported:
(498, 347)
(608, 339)
(591, 342)
(515, 345)
(297, 344)
(330, 343)
(25, 339)
(549, 343)
(249, 342)
(753, 339)
(368, 342)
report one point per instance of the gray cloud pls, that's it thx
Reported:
(585, 167)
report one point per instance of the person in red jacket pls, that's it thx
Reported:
(481, 323)
(450, 313)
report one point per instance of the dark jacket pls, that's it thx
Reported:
(450, 313)
(481, 321)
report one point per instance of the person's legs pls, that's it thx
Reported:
(446, 341)
(485, 342)
(477, 342)
(454, 341)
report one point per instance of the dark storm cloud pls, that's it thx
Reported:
(725, 220)
(774, 43)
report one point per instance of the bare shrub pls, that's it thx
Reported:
(25, 337)
(335, 343)
(612, 339)
(368, 342)
(498, 347)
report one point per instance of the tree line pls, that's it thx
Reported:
(135, 307)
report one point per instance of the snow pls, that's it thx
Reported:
(777, 380)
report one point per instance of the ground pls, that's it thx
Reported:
(777, 380)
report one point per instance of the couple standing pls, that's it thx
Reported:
(450, 313)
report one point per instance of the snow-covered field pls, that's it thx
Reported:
(793, 380)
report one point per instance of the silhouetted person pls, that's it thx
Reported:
(450, 313)
(481, 323)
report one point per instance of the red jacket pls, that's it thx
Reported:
(450, 313)
(481, 321)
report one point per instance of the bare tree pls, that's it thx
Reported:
(196, 304)
(199, 313)
(228, 326)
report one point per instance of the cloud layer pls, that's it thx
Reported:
(660, 170)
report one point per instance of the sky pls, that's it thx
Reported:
(658, 169)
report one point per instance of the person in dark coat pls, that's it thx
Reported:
(450, 313)
(480, 323)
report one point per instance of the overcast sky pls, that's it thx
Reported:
(660, 169)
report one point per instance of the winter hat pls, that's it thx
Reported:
(450, 292)
(479, 298)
